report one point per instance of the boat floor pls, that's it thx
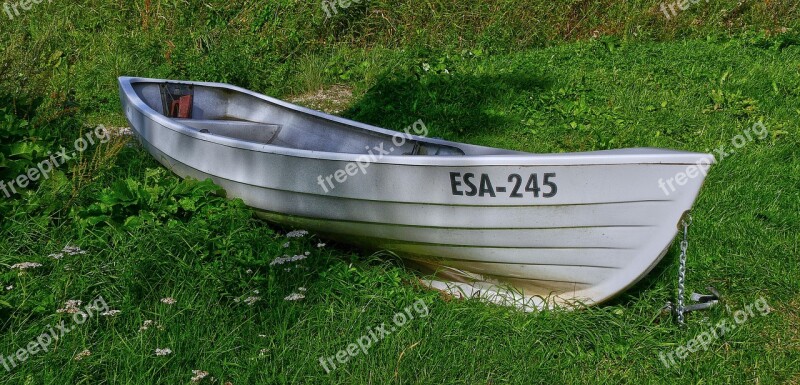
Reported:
(274, 134)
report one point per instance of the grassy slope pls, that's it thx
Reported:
(84, 45)
(579, 96)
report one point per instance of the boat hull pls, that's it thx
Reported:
(485, 226)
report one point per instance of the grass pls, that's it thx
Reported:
(149, 236)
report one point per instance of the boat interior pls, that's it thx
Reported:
(233, 114)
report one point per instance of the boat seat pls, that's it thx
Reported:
(237, 129)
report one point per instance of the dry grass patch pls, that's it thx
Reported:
(333, 99)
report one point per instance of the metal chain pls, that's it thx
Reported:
(686, 221)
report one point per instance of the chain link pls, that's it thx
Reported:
(682, 268)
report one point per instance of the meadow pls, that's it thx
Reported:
(180, 285)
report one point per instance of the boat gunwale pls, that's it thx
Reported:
(629, 156)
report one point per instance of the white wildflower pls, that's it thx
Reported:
(169, 301)
(285, 245)
(9, 287)
(294, 297)
(71, 307)
(150, 323)
(296, 234)
(251, 300)
(163, 352)
(285, 259)
(249, 271)
(263, 352)
(110, 313)
(82, 355)
(199, 375)
(301, 289)
(320, 245)
(73, 250)
(307, 253)
(25, 265)
(67, 250)
(119, 131)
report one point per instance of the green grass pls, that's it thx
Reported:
(82, 46)
(149, 236)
